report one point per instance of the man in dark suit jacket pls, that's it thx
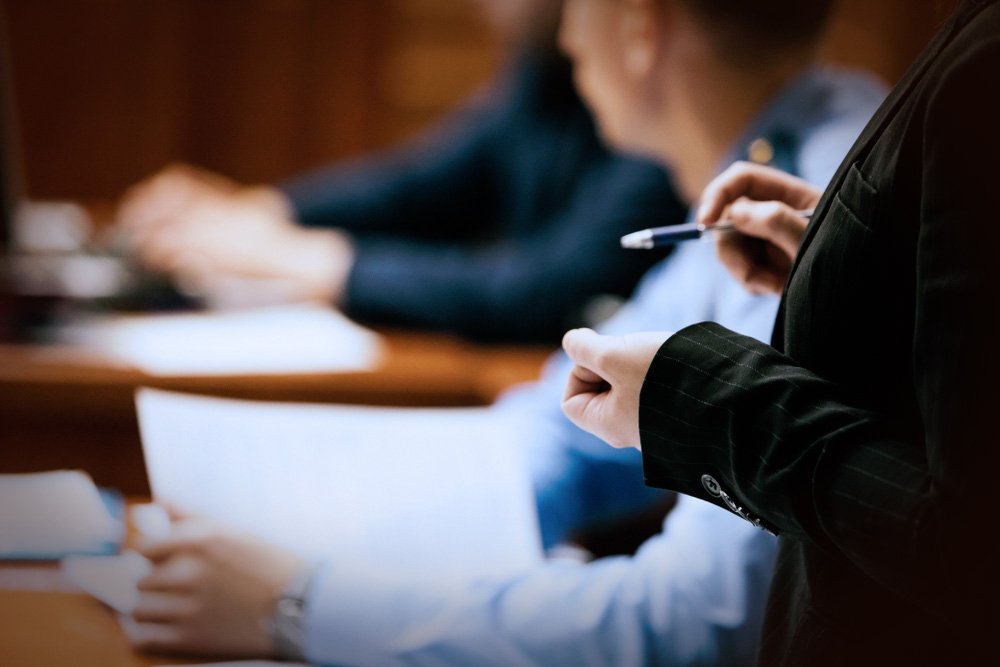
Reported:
(500, 224)
(866, 437)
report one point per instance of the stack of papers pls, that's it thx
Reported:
(54, 514)
(301, 338)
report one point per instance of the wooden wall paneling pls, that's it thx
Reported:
(92, 82)
(434, 55)
(64, 426)
(253, 70)
(110, 90)
(884, 36)
(241, 63)
(337, 83)
(160, 122)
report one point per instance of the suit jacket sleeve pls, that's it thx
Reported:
(443, 242)
(411, 189)
(528, 287)
(820, 462)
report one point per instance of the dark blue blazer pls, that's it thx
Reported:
(501, 225)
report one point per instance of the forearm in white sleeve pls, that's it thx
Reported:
(690, 596)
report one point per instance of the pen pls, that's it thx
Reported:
(655, 237)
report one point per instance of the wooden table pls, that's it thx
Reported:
(45, 621)
(67, 407)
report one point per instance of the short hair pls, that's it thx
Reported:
(763, 27)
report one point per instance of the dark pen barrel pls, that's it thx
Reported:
(660, 236)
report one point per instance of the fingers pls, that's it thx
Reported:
(761, 255)
(191, 244)
(602, 393)
(757, 182)
(583, 380)
(192, 536)
(583, 388)
(590, 411)
(588, 349)
(163, 247)
(586, 385)
(152, 637)
(763, 203)
(158, 198)
(756, 264)
(158, 218)
(773, 221)
(160, 607)
(180, 573)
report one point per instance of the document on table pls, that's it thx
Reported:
(413, 491)
(300, 338)
(52, 514)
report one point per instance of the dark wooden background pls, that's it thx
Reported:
(110, 90)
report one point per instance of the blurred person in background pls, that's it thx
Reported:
(692, 594)
(500, 224)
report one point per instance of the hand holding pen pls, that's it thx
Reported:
(656, 237)
(769, 209)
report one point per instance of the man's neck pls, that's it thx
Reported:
(718, 106)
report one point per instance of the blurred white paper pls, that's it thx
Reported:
(113, 579)
(48, 515)
(301, 338)
(412, 491)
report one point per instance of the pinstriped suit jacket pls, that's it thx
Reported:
(868, 436)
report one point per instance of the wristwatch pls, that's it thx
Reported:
(287, 623)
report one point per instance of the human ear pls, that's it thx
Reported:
(639, 37)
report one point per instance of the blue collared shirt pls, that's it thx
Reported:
(692, 595)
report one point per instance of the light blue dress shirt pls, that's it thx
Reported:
(691, 595)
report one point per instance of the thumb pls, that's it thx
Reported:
(587, 349)
(187, 535)
(770, 220)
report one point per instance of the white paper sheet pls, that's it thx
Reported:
(47, 515)
(301, 338)
(417, 491)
